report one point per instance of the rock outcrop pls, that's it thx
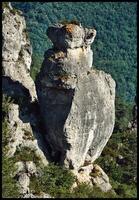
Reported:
(93, 175)
(76, 102)
(23, 116)
(16, 55)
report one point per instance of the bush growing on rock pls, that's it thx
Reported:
(9, 185)
(53, 179)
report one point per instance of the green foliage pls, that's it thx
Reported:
(5, 129)
(122, 171)
(86, 191)
(5, 5)
(124, 144)
(123, 112)
(5, 105)
(35, 66)
(119, 157)
(54, 180)
(36, 186)
(57, 181)
(116, 41)
(125, 190)
(9, 185)
(26, 154)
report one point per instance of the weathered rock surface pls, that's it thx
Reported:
(16, 55)
(76, 102)
(70, 36)
(21, 134)
(23, 116)
(24, 182)
(42, 195)
(94, 176)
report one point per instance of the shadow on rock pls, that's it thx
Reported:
(28, 112)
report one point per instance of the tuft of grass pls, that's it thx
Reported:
(57, 181)
(54, 180)
(26, 154)
(86, 191)
(9, 185)
(5, 5)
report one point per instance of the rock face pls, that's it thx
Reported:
(76, 102)
(23, 116)
(17, 82)
(93, 175)
(16, 55)
(70, 36)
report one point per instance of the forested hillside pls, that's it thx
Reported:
(115, 44)
(114, 52)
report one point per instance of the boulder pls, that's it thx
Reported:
(92, 175)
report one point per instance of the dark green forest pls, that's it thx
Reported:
(115, 44)
(114, 52)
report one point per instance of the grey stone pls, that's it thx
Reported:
(31, 167)
(70, 35)
(16, 55)
(42, 195)
(17, 83)
(20, 168)
(24, 182)
(76, 102)
(93, 175)
(101, 179)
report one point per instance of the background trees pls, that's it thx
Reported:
(115, 44)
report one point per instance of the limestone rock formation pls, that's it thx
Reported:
(93, 175)
(17, 82)
(23, 116)
(16, 54)
(76, 102)
(70, 36)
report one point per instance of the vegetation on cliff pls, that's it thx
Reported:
(118, 159)
(9, 184)
(115, 54)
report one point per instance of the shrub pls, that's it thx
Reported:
(54, 180)
(26, 154)
(123, 112)
(86, 191)
(5, 5)
(9, 185)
